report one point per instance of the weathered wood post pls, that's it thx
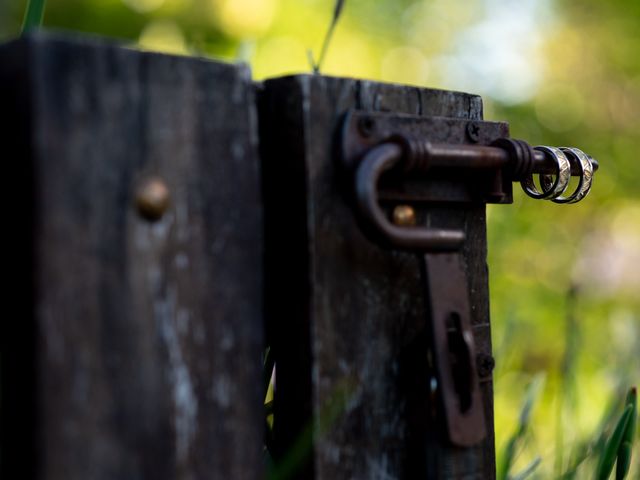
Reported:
(135, 245)
(137, 188)
(348, 319)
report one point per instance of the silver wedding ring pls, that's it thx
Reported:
(550, 190)
(586, 177)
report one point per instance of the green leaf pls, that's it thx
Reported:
(610, 453)
(623, 461)
(33, 15)
(268, 408)
(632, 399)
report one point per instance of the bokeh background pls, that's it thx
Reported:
(565, 280)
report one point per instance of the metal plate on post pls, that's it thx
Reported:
(361, 131)
(454, 352)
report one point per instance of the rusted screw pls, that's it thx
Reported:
(473, 131)
(404, 216)
(485, 364)
(366, 126)
(152, 198)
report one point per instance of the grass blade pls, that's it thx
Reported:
(267, 371)
(338, 9)
(509, 453)
(566, 394)
(337, 12)
(610, 453)
(301, 449)
(623, 461)
(530, 399)
(528, 470)
(33, 15)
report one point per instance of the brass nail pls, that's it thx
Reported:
(404, 215)
(152, 198)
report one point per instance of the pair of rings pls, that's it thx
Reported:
(552, 189)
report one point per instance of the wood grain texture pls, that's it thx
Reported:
(137, 350)
(346, 318)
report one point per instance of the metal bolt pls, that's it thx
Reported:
(152, 198)
(485, 364)
(473, 131)
(366, 126)
(404, 215)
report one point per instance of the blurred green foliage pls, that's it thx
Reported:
(565, 280)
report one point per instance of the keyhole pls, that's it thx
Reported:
(460, 360)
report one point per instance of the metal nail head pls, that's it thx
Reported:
(152, 198)
(404, 216)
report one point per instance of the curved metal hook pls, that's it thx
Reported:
(377, 161)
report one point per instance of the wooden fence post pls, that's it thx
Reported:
(346, 318)
(134, 197)
(136, 349)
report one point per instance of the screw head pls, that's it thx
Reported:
(473, 131)
(485, 364)
(404, 216)
(366, 125)
(152, 198)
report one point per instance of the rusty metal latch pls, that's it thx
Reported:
(453, 347)
(388, 159)
(485, 171)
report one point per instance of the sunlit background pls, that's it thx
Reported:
(565, 280)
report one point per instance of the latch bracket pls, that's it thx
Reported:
(453, 347)
(403, 159)
(395, 158)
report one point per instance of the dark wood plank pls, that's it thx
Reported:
(346, 318)
(137, 350)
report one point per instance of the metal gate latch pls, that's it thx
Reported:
(453, 347)
(390, 159)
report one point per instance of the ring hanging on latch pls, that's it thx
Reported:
(563, 175)
(586, 177)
